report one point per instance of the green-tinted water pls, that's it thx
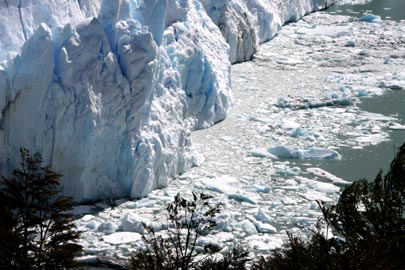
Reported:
(387, 9)
(366, 163)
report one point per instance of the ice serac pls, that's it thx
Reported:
(199, 53)
(108, 91)
(247, 23)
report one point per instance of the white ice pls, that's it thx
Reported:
(109, 91)
(310, 153)
(370, 18)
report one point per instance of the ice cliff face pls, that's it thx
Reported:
(108, 91)
(247, 23)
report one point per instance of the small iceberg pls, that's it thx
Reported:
(119, 238)
(261, 153)
(310, 153)
(370, 18)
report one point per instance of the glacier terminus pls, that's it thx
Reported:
(109, 91)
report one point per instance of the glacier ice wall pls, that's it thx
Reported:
(108, 91)
(247, 23)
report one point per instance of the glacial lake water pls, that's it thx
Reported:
(367, 162)
(387, 9)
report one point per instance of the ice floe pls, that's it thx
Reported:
(310, 153)
(122, 238)
(326, 175)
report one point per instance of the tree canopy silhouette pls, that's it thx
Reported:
(36, 225)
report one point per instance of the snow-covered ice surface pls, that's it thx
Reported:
(301, 91)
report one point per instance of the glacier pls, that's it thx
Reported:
(263, 195)
(109, 91)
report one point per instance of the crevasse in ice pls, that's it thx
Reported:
(108, 91)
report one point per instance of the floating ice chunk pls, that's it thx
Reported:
(288, 124)
(377, 117)
(261, 187)
(223, 237)
(326, 30)
(264, 243)
(145, 202)
(313, 195)
(99, 259)
(248, 227)
(241, 196)
(264, 227)
(304, 221)
(289, 61)
(262, 153)
(86, 218)
(224, 184)
(92, 225)
(209, 241)
(107, 227)
(288, 201)
(370, 18)
(388, 61)
(263, 217)
(372, 139)
(302, 103)
(334, 95)
(310, 153)
(197, 159)
(286, 171)
(396, 126)
(375, 129)
(320, 153)
(345, 100)
(122, 238)
(362, 93)
(224, 222)
(298, 133)
(350, 43)
(324, 174)
(285, 152)
(132, 222)
(257, 119)
(327, 188)
(302, 133)
(392, 84)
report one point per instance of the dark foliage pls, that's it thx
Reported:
(10, 238)
(187, 221)
(369, 226)
(315, 254)
(35, 222)
(235, 259)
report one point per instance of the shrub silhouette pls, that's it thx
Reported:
(235, 259)
(187, 220)
(35, 221)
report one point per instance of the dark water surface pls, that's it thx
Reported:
(366, 163)
(387, 9)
